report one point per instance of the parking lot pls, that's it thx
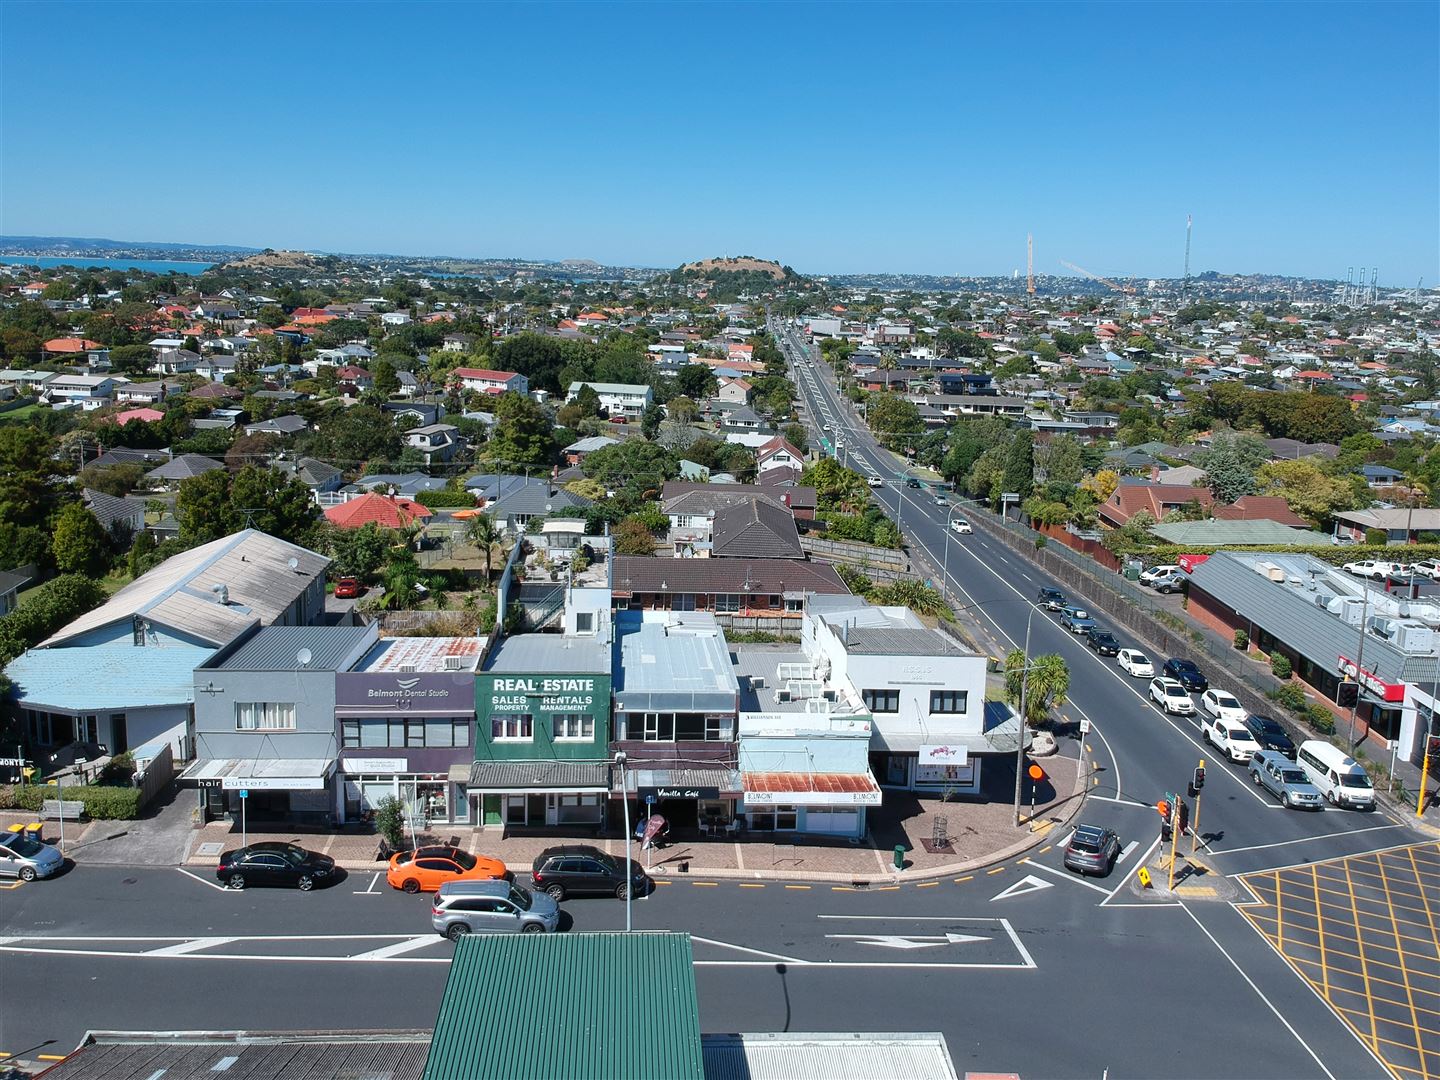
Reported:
(1362, 932)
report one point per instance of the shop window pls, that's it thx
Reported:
(689, 727)
(264, 716)
(773, 819)
(949, 701)
(350, 733)
(573, 726)
(718, 727)
(881, 701)
(512, 726)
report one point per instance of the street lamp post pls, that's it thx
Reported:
(1020, 733)
(625, 802)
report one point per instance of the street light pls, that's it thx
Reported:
(625, 802)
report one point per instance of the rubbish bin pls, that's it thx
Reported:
(899, 857)
(1132, 570)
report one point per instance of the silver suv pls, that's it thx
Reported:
(1285, 780)
(479, 907)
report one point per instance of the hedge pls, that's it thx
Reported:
(444, 497)
(101, 803)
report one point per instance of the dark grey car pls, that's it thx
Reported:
(1092, 850)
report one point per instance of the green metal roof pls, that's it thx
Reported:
(579, 1006)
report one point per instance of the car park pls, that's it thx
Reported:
(1171, 696)
(1427, 567)
(1051, 599)
(1149, 577)
(1340, 778)
(1373, 568)
(28, 857)
(1186, 674)
(1077, 620)
(1286, 780)
(426, 869)
(275, 864)
(1231, 737)
(495, 907)
(1222, 704)
(1269, 735)
(1102, 641)
(582, 870)
(1093, 849)
(1135, 663)
(960, 525)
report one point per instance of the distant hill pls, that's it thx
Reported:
(742, 264)
(274, 260)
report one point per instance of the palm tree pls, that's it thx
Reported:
(1044, 685)
(482, 531)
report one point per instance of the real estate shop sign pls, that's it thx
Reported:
(537, 694)
(371, 693)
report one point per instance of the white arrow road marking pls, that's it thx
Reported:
(902, 941)
(1066, 875)
(1028, 884)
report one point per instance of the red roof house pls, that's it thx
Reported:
(382, 510)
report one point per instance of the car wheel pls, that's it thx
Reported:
(235, 881)
(455, 931)
(306, 883)
(1285, 800)
(1255, 776)
(411, 886)
(531, 928)
(555, 892)
(622, 891)
(27, 873)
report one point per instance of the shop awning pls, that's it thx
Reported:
(811, 789)
(260, 774)
(721, 779)
(539, 777)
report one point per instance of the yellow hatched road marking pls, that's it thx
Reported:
(1364, 968)
(1324, 967)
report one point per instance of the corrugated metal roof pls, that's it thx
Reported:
(899, 641)
(828, 1056)
(645, 574)
(387, 1055)
(551, 654)
(503, 776)
(277, 648)
(579, 1006)
(674, 663)
(109, 677)
(1240, 533)
(421, 654)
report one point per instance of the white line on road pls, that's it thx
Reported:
(197, 877)
(1125, 880)
(1129, 848)
(1015, 940)
(1067, 876)
(1024, 887)
(744, 948)
(385, 952)
(1259, 993)
(1065, 843)
(1302, 840)
(371, 890)
(189, 946)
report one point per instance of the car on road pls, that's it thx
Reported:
(961, 526)
(1269, 735)
(1428, 567)
(492, 907)
(1149, 577)
(582, 870)
(275, 864)
(348, 588)
(1092, 849)
(1340, 778)
(1169, 583)
(1222, 704)
(1051, 599)
(1102, 641)
(911, 482)
(426, 869)
(875, 481)
(27, 857)
(940, 500)
(1135, 663)
(1171, 696)
(1285, 780)
(1076, 619)
(1231, 737)
(1186, 674)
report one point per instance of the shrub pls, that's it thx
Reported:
(390, 821)
(1321, 719)
(1376, 537)
(101, 803)
(444, 497)
(1280, 666)
(120, 769)
(1039, 542)
(1242, 639)
(1290, 697)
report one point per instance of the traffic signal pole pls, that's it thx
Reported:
(1174, 840)
(1198, 783)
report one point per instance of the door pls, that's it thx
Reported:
(9, 864)
(590, 877)
(490, 810)
(267, 870)
(494, 916)
(119, 736)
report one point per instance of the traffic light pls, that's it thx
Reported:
(1198, 781)
(1432, 748)
(1347, 695)
(1184, 818)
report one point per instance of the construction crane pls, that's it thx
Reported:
(1185, 288)
(1128, 289)
(1030, 263)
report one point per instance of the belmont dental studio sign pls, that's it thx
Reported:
(448, 693)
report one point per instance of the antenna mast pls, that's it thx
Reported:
(1185, 288)
(1030, 263)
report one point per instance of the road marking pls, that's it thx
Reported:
(1028, 884)
(184, 947)
(751, 885)
(912, 941)
(926, 884)
(1125, 880)
(385, 952)
(370, 891)
(1129, 848)
(704, 884)
(50, 1057)
(1302, 840)
(797, 886)
(197, 877)
(747, 949)
(967, 877)
(997, 870)
(1259, 993)
(1067, 876)
(1066, 841)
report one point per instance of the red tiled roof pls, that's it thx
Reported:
(1130, 499)
(380, 509)
(70, 345)
(1261, 508)
(1313, 375)
(789, 782)
(125, 417)
(483, 373)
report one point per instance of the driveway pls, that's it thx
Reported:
(161, 837)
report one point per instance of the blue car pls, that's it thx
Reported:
(1076, 619)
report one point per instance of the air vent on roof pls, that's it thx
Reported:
(454, 663)
(407, 669)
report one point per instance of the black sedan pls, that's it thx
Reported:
(1186, 674)
(1051, 599)
(1270, 735)
(275, 864)
(1102, 641)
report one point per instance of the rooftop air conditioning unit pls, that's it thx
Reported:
(1349, 608)
(782, 695)
(1414, 637)
(757, 682)
(407, 669)
(454, 663)
(1382, 627)
(1322, 600)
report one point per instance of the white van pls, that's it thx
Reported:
(1340, 779)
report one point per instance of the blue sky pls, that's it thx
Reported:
(1304, 138)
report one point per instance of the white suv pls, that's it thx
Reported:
(1135, 663)
(1171, 696)
(1222, 705)
(1231, 737)
(1155, 573)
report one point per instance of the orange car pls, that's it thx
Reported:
(426, 869)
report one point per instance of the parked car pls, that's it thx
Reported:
(348, 588)
(1186, 674)
(1371, 568)
(1076, 619)
(1092, 849)
(1225, 706)
(1051, 599)
(1340, 778)
(27, 858)
(1169, 583)
(1269, 735)
(1102, 641)
(581, 870)
(1171, 696)
(960, 525)
(425, 869)
(1135, 663)
(1428, 567)
(496, 907)
(1230, 737)
(1149, 577)
(1285, 780)
(875, 481)
(275, 864)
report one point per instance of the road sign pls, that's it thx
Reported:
(1085, 726)
(244, 793)
(1036, 773)
(1144, 877)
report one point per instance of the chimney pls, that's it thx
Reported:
(1155, 471)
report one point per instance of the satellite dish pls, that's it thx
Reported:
(304, 657)
(294, 563)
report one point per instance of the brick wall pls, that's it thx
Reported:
(1205, 609)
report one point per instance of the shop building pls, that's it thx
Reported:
(265, 723)
(405, 714)
(676, 699)
(806, 772)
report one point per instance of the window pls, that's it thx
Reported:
(584, 622)
(442, 731)
(949, 701)
(727, 602)
(717, 727)
(794, 603)
(881, 700)
(264, 716)
(573, 726)
(510, 726)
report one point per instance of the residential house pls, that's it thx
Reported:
(145, 393)
(70, 348)
(405, 485)
(1155, 499)
(357, 377)
(171, 362)
(513, 509)
(778, 453)
(705, 498)
(489, 381)
(216, 366)
(218, 392)
(386, 511)
(438, 442)
(147, 415)
(617, 399)
(396, 318)
(755, 528)
(580, 449)
(769, 594)
(742, 418)
(1401, 525)
(121, 518)
(1260, 508)
(322, 478)
(26, 380)
(458, 343)
(735, 391)
(87, 392)
(280, 426)
(124, 455)
(10, 585)
(172, 473)
(414, 412)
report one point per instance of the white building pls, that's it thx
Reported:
(616, 399)
(88, 391)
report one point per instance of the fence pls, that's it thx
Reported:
(158, 772)
(850, 552)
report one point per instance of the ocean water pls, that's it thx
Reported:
(154, 266)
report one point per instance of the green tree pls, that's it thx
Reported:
(1019, 474)
(482, 531)
(351, 437)
(650, 420)
(26, 473)
(1230, 464)
(1305, 487)
(1045, 684)
(203, 509)
(1060, 461)
(682, 409)
(79, 543)
(797, 436)
(696, 381)
(358, 552)
(633, 467)
(894, 418)
(523, 433)
(387, 382)
(630, 537)
(836, 487)
(274, 503)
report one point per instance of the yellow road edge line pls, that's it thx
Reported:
(1044, 849)
(843, 888)
(926, 884)
(658, 881)
(888, 888)
(995, 871)
(797, 886)
(961, 880)
(50, 1057)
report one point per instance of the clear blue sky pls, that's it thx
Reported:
(1304, 138)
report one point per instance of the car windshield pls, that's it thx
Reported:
(520, 897)
(464, 858)
(24, 846)
(1185, 666)
(1105, 636)
(1355, 780)
(1176, 691)
(295, 854)
(1294, 776)
(1225, 701)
